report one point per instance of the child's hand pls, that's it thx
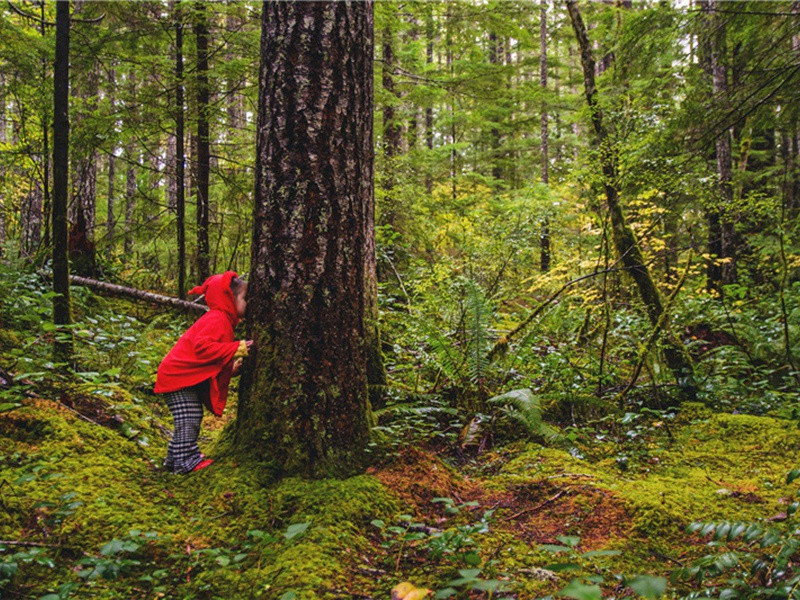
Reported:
(237, 366)
(249, 344)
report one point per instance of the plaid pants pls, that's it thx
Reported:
(183, 453)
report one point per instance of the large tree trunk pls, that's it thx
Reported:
(62, 314)
(203, 143)
(303, 401)
(627, 247)
(544, 236)
(180, 159)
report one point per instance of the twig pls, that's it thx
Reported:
(30, 544)
(537, 507)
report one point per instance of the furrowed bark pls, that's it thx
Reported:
(303, 406)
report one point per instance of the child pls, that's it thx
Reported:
(198, 369)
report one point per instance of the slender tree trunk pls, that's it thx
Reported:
(130, 199)
(627, 247)
(110, 221)
(429, 109)
(203, 142)
(723, 147)
(234, 100)
(62, 314)
(2, 166)
(495, 59)
(31, 220)
(544, 236)
(84, 189)
(303, 402)
(45, 204)
(180, 160)
(391, 130)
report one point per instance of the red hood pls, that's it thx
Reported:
(218, 294)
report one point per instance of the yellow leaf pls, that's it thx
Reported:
(407, 591)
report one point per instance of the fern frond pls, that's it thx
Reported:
(525, 408)
(478, 316)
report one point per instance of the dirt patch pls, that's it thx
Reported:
(545, 510)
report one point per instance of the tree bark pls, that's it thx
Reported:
(625, 242)
(544, 236)
(203, 142)
(303, 405)
(62, 313)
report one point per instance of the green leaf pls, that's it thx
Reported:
(648, 586)
(290, 595)
(580, 591)
(112, 547)
(792, 475)
(555, 549)
(445, 593)
(223, 561)
(296, 530)
(569, 540)
(6, 406)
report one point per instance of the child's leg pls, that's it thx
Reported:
(183, 453)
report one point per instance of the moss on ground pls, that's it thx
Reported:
(718, 466)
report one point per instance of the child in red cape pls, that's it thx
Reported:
(198, 369)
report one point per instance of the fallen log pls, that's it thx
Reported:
(120, 290)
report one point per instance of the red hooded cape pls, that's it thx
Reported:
(205, 351)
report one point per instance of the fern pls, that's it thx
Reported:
(525, 408)
(478, 313)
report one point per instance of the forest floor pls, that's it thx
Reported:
(87, 511)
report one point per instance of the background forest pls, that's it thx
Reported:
(523, 348)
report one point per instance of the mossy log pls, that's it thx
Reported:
(120, 290)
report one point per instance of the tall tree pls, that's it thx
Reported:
(719, 71)
(203, 141)
(180, 160)
(624, 238)
(303, 402)
(110, 221)
(544, 236)
(62, 312)
(84, 175)
(2, 167)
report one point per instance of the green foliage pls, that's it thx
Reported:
(751, 559)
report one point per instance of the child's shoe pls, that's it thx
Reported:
(203, 464)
